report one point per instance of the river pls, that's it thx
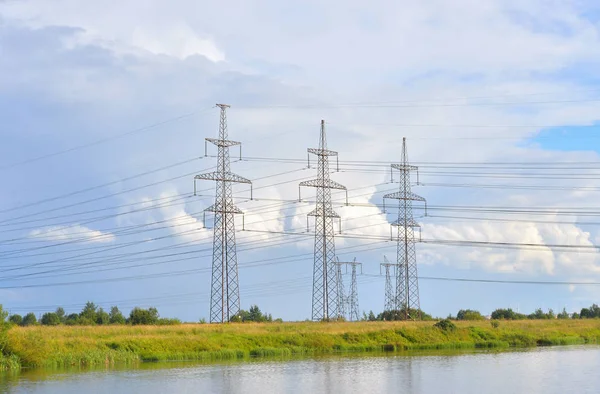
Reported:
(569, 369)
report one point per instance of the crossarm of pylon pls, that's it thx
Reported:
(217, 208)
(410, 223)
(330, 213)
(404, 196)
(223, 143)
(405, 167)
(322, 152)
(218, 176)
(323, 183)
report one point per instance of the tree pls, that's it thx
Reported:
(89, 312)
(468, 314)
(507, 314)
(29, 319)
(102, 317)
(16, 319)
(72, 319)
(60, 312)
(372, 316)
(3, 315)
(50, 319)
(139, 316)
(563, 315)
(115, 316)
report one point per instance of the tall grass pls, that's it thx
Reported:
(106, 345)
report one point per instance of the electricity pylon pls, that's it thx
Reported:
(224, 291)
(390, 295)
(407, 281)
(348, 303)
(325, 288)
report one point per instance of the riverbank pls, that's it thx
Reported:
(61, 346)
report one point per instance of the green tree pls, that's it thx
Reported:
(88, 313)
(507, 314)
(139, 316)
(372, 316)
(563, 315)
(115, 316)
(3, 315)
(50, 319)
(72, 319)
(29, 319)
(60, 312)
(469, 314)
(16, 319)
(102, 317)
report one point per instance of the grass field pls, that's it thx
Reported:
(59, 346)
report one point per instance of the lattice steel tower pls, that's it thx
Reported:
(224, 291)
(325, 284)
(390, 293)
(348, 303)
(407, 282)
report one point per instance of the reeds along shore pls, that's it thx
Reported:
(62, 346)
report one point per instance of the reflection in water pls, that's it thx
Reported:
(544, 370)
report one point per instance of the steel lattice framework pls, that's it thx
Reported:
(225, 291)
(390, 293)
(348, 303)
(325, 283)
(407, 282)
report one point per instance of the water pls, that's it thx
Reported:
(572, 369)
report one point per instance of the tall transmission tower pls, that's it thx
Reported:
(390, 293)
(407, 282)
(224, 291)
(348, 303)
(325, 284)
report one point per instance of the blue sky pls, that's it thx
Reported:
(71, 75)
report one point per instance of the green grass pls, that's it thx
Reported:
(108, 345)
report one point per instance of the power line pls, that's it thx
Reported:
(103, 140)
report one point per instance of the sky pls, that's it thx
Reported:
(105, 107)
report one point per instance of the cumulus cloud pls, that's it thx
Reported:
(73, 232)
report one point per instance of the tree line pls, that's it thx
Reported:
(92, 315)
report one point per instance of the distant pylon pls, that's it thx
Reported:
(224, 291)
(407, 282)
(325, 289)
(348, 303)
(390, 294)
(341, 297)
(353, 297)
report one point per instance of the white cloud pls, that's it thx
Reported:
(73, 232)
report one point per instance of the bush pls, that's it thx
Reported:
(50, 319)
(400, 314)
(495, 323)
(445, 325)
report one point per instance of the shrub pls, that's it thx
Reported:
(445, 325)
(495, 323)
